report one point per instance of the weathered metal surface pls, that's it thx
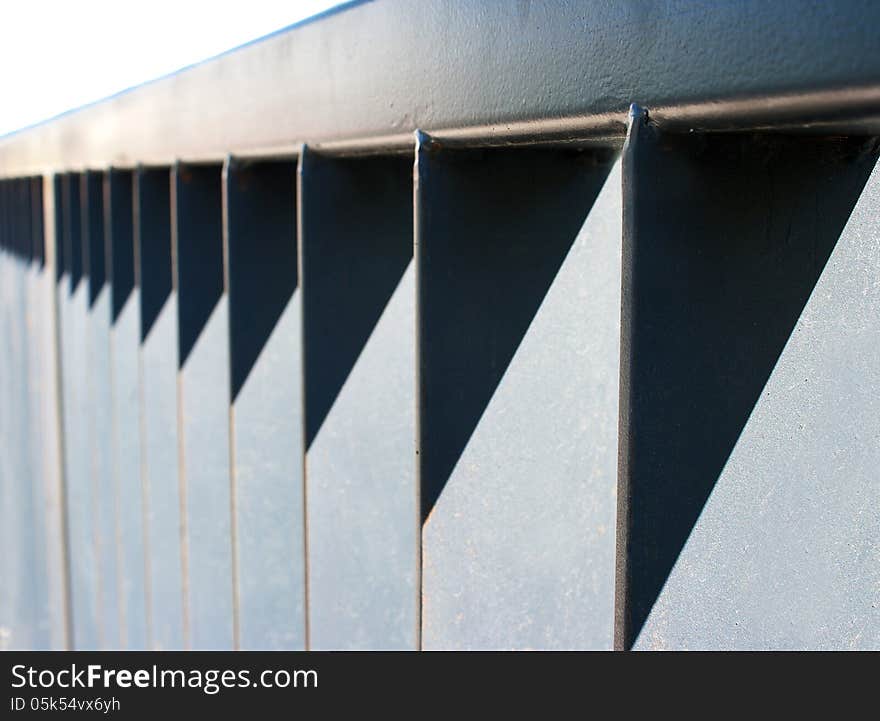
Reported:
(359, 323)
(518, 267)
(158, 408)
(72, 298)
(24, 612)
(125, 417)
(748, 451)
(567, 67)
(13, 619)
(266, 488)
(35, 298)
(203, 403)
(45, 208)
(7, 535)
(267, 411)
(99, 403)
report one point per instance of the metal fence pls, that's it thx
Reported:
(405, 328)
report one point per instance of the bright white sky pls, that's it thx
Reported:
(59, 54)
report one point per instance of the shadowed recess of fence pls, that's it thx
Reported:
(350, 273)
(727, 237)
(120, 242)
(37, 222)
(71, 230)
(494, 228)
(152, 230)
(92, 217)
(262, 251)
(198, 224)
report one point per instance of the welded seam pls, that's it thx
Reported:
(233, 486)
(49, 222)
(300, 174)
(181, 465)
(142, 423)
(422, 143)
(622, 592)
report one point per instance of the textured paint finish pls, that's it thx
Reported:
(124, 390)
(363, 514)
(519, 295)
(269, 499)
(72, 298)
(747, 462)
(267, 418)
(127, 474)
(540, 394)
(39, 600)
(24, 614)
(359, 304)
(203, 404)
(33, 598)
(158, 408)
(14, 623)
(159, 462)
(204, 448)
(100, 433)
(785, 553)
(99, 401)
(7, 533)
(47, 206)
(362, 72)
(72, 318)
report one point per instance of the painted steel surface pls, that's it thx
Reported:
(519, 256)
(359, 323)
(203, 405)
(266, 414)
(496, 360)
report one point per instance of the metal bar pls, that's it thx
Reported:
(72, 299)
(568, 69)
(38, 599)
(542, 393)
(22, 621)
(203, 403)
(7, 536)
(359, 324)
(8, 531)
(37, 221)
(47, 227)
(266, 423)
(99, 419)
(749, 314)
(518, 267)
(124, 384)
(158, 408)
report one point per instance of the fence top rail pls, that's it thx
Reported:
(365, 77)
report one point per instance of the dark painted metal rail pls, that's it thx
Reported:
(391, 332)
